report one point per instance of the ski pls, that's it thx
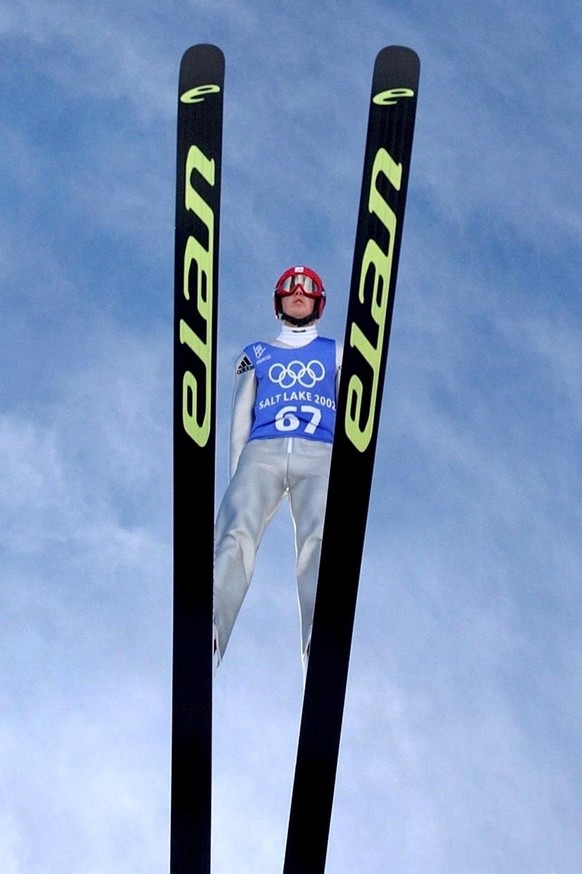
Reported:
(373, 282)
(198, 179)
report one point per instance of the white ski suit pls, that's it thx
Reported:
(285, 397)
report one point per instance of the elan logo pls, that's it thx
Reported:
(198, 94)
(392, 96)
(363, 398)
(198, 275)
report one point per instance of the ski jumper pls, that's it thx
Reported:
(281, 438)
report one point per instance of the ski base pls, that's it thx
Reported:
(199, 145)
(373, 283)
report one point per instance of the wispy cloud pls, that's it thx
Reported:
(461, 734)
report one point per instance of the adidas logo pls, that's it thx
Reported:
(246, 364)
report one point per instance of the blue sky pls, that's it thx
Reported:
(461, 743)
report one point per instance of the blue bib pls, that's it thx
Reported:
(295, 390)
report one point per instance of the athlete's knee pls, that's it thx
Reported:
(309, 548)
(235, 548)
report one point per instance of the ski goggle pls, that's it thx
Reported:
(298, 277)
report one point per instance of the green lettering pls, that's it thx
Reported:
(374, 258)
(192, 406)
(198, 273)
(391, 96)
(197, 95)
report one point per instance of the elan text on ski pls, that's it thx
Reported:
(283, 419)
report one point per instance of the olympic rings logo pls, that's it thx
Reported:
(297, 373)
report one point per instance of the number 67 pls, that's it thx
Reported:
(287, 420)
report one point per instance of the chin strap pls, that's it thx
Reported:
(298, 323)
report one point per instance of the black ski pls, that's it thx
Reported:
(199, 145)
(373, 283)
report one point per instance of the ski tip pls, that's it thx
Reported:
(398, 48)
(399, 65)
(204, 52)
(397, 51)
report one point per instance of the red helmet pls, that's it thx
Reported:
(309, 282)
